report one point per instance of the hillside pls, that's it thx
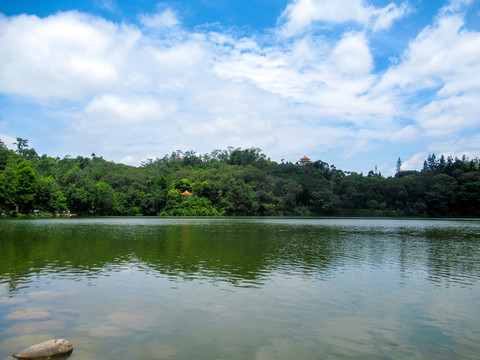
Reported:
(233, 182)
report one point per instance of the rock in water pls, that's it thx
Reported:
(28, 313)
(46, 349)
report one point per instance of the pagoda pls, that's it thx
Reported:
(304, 160)
(186, 192)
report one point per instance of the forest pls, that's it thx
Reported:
(232, 182)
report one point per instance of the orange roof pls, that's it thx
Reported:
(186, 192)
(304, 159)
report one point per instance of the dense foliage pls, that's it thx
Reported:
(230, 182)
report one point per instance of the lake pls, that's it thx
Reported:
(242, 288)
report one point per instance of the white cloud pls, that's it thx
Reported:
(466, 145)
(129, 160)
(167, 92)
(351, 55)
(300, 15)
(331, 77)
(455, 6)
(406, 134)
(431, 57)
(117, 111)
(450, 115)
(415, 162)
(68, 55)
(8, 141)
(383, 18)
(162, 20)
(109, 5)
(126, 92)
(442, 60)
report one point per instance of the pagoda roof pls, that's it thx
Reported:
(304, 159)
(186, 192)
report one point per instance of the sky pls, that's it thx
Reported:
(355, 83)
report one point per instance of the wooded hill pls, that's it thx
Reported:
(231, 182)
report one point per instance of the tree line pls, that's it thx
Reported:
(232, 182)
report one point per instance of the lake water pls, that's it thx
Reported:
(242, 288)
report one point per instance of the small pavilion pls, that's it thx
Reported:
(304, 160)
(186, 192)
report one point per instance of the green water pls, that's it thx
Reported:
(242, 288)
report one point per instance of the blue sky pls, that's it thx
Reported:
(354, 83)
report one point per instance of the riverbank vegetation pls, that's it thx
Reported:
(232, 182)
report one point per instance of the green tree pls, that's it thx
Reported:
(469, 198)
(287, 191)
(153, 202)
(50, 196)
(4, 155)
(105, 202)
(24, 151)
(80, 199)
(246, 157)
(441, 195)
(2, 190)
(46, 166)
(192, 206)
(9, 187)
(25, 186)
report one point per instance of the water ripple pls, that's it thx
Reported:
(248, 288)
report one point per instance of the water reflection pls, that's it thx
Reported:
(243, 252)
(142, 288)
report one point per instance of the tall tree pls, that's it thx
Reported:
(25, 186)
(24, 151)
(399, 165)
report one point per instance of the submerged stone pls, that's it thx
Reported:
(46, 349)
(28, 313)
(10, 300)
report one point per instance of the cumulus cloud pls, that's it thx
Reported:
(117, 111)
(455, 6)
(300, 15)
(447, 116)
(161, 20)
(415, 162)
(127, 91)
(406, 134)
(441, 61)
(169, 91)
(468, 145)
(351, 55)
(432, 56)
(68, 55)
(8, 141)
(384, 18)
(331, 77)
